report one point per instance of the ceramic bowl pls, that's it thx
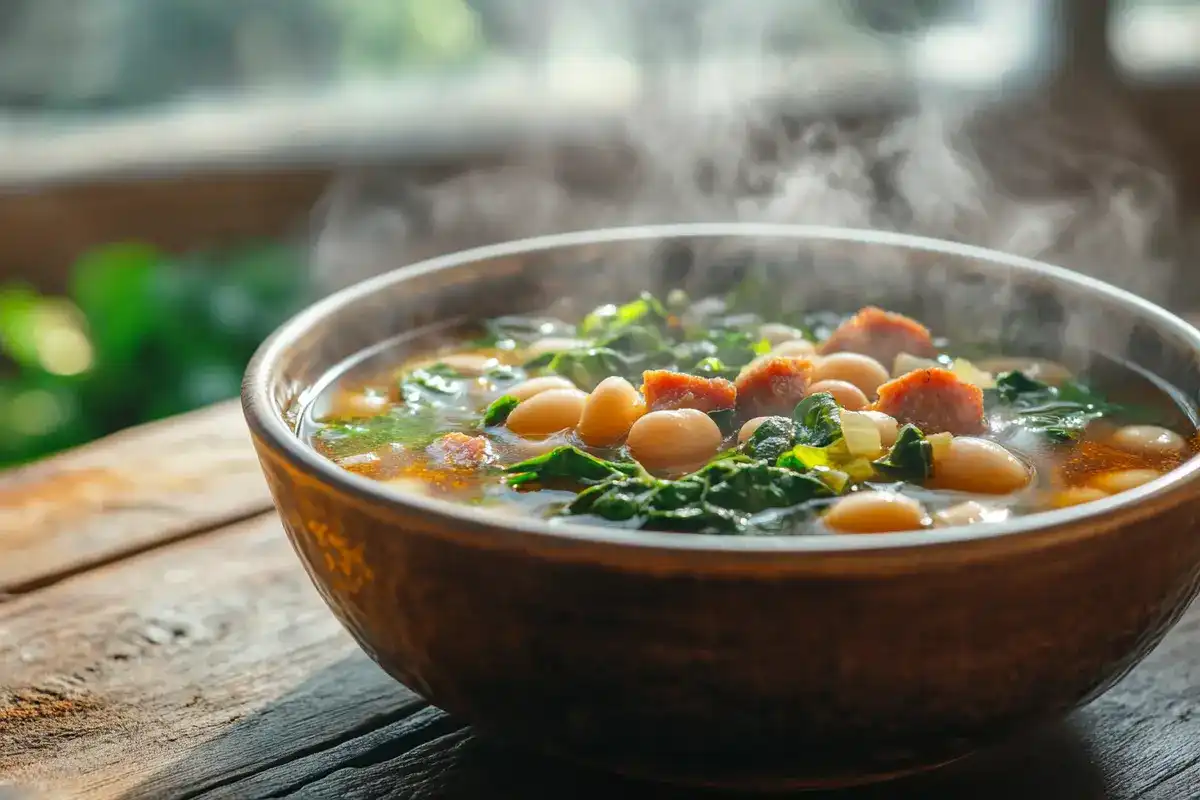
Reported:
(763, 662)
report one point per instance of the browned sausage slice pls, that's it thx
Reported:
(935, 400)
(664, 389)
(773, 386)
(880, 334)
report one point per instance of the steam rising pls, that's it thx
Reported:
(1063, 176)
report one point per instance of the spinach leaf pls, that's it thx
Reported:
(568, 464)
(587, 367)
(910, 459)
(635, 340)
(774, 437)
(608, 320)
(435, 385)
(499, 410)
(818, 420)
(724, 497)
(1060, 413)
(713, 367)
(752, 488)
(418, 426)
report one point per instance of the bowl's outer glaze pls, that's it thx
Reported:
(735, 667)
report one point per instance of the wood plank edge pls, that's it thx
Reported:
(46, 580)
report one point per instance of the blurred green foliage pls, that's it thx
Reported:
(141, 335)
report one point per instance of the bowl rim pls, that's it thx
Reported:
(271, 428)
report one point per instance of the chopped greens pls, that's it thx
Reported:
(587, 367)
(499, 410)
(339, 438)
(1060, 413)
(818, 420)
(434, 385)
(608, 320)
(567, 465)
(726, 497)
(910, 458)
(774, 437)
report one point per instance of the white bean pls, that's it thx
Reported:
(1148, 440)
(552, 344)
(969, 513)
(609, 412)
(468, 364)
(1123, 480)
(845, 394)
(978, 465)
(527, 389)
(794, 348)
(747, 430)
(777, 333)
(680, 439)
(875, 512)
(1077, 495)
(863, 371)
(547, 412)
(887, 425)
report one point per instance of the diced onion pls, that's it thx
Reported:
(969, 373)
(860, 434)
(907, 362)
(940, 443)
(835, 479)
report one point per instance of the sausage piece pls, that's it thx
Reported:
(460, 451)
(880, 334)
(773, 385)
(666, 390)
(935, 400)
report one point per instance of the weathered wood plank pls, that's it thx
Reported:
(127, 492)
(217, 647)
(210, 668)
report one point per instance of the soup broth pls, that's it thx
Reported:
(706, 417)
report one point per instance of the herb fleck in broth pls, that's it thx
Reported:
(706, 417)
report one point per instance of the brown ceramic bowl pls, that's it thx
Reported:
(763, 662)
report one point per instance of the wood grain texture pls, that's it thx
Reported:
(210, 668)
(181, 669)
(127, 492)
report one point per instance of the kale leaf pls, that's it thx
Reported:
(727, 497)
(774, 437)
(1060, 413)
(436, 385)
(818, 420)
(910, 458)
(499, 410)
(568, 465)
(588, 366)
(338, 438)
(608, 320)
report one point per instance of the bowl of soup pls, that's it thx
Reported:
(740, 505)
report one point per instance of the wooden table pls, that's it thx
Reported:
(159, 639)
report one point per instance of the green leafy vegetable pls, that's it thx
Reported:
(433, 385)
(519, 330)
(587, 367)
(818, 421)
(570, 465)
(608, 320)
(774, 437)
(1061, 413)
(910, 458)
(727, 497)
(413, 427)
(499, 410)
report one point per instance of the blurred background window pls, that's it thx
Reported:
(1155, 39)
(153, 153)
